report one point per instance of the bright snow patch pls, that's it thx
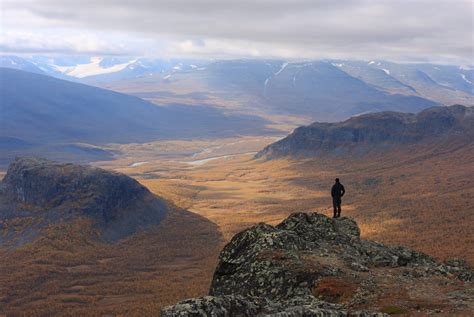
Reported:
(137, 164)
(281, 68)
(337, 65)
(209, 159)
(465, 79)
(386, 71)
(371, 62)
(167, 77)
(91, 69)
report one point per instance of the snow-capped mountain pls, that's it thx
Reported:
(329, 89)
(444, 83)
(97, 69)
(394, 77)
(94, 68)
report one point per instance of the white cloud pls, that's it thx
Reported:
(396, 30)
(23, 41)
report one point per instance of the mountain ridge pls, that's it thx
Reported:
(361, 134)
(445, 84)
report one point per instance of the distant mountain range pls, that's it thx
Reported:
(97, 69)
(329, 90)
(45, 101)
(38, 110)
(377, 131)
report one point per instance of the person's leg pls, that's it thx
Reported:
(334, 205)
(338, 209)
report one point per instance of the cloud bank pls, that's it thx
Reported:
(403, 30)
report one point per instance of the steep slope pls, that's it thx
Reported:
(312, 265)
(52, 192)
(376, 131)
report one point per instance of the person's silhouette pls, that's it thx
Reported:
(337, 191)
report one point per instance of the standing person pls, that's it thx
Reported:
(337, 191)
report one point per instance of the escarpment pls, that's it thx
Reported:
(380, 131)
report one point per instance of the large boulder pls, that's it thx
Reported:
(310, 265)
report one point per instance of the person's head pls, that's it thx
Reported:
(337, 180)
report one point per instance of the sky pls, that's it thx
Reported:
(398, 30)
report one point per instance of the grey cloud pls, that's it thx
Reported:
(353, 28)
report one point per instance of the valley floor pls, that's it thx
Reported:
(421, 198)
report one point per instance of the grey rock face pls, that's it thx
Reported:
(48, 184)
(213, 306)
(273, 271)
(375, 130)
(118, 204)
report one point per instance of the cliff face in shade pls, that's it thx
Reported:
(51, 192)
(312, 265)
(377, 131)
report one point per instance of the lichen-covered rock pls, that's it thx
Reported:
(310, 265)
(213, 306)
(269, 261)
(230, 305)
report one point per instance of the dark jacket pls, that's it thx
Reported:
(337, 190)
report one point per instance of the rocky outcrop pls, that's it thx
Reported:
(53, 191)
(382, 130)
(312, 265)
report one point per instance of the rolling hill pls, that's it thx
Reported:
(39, 110)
